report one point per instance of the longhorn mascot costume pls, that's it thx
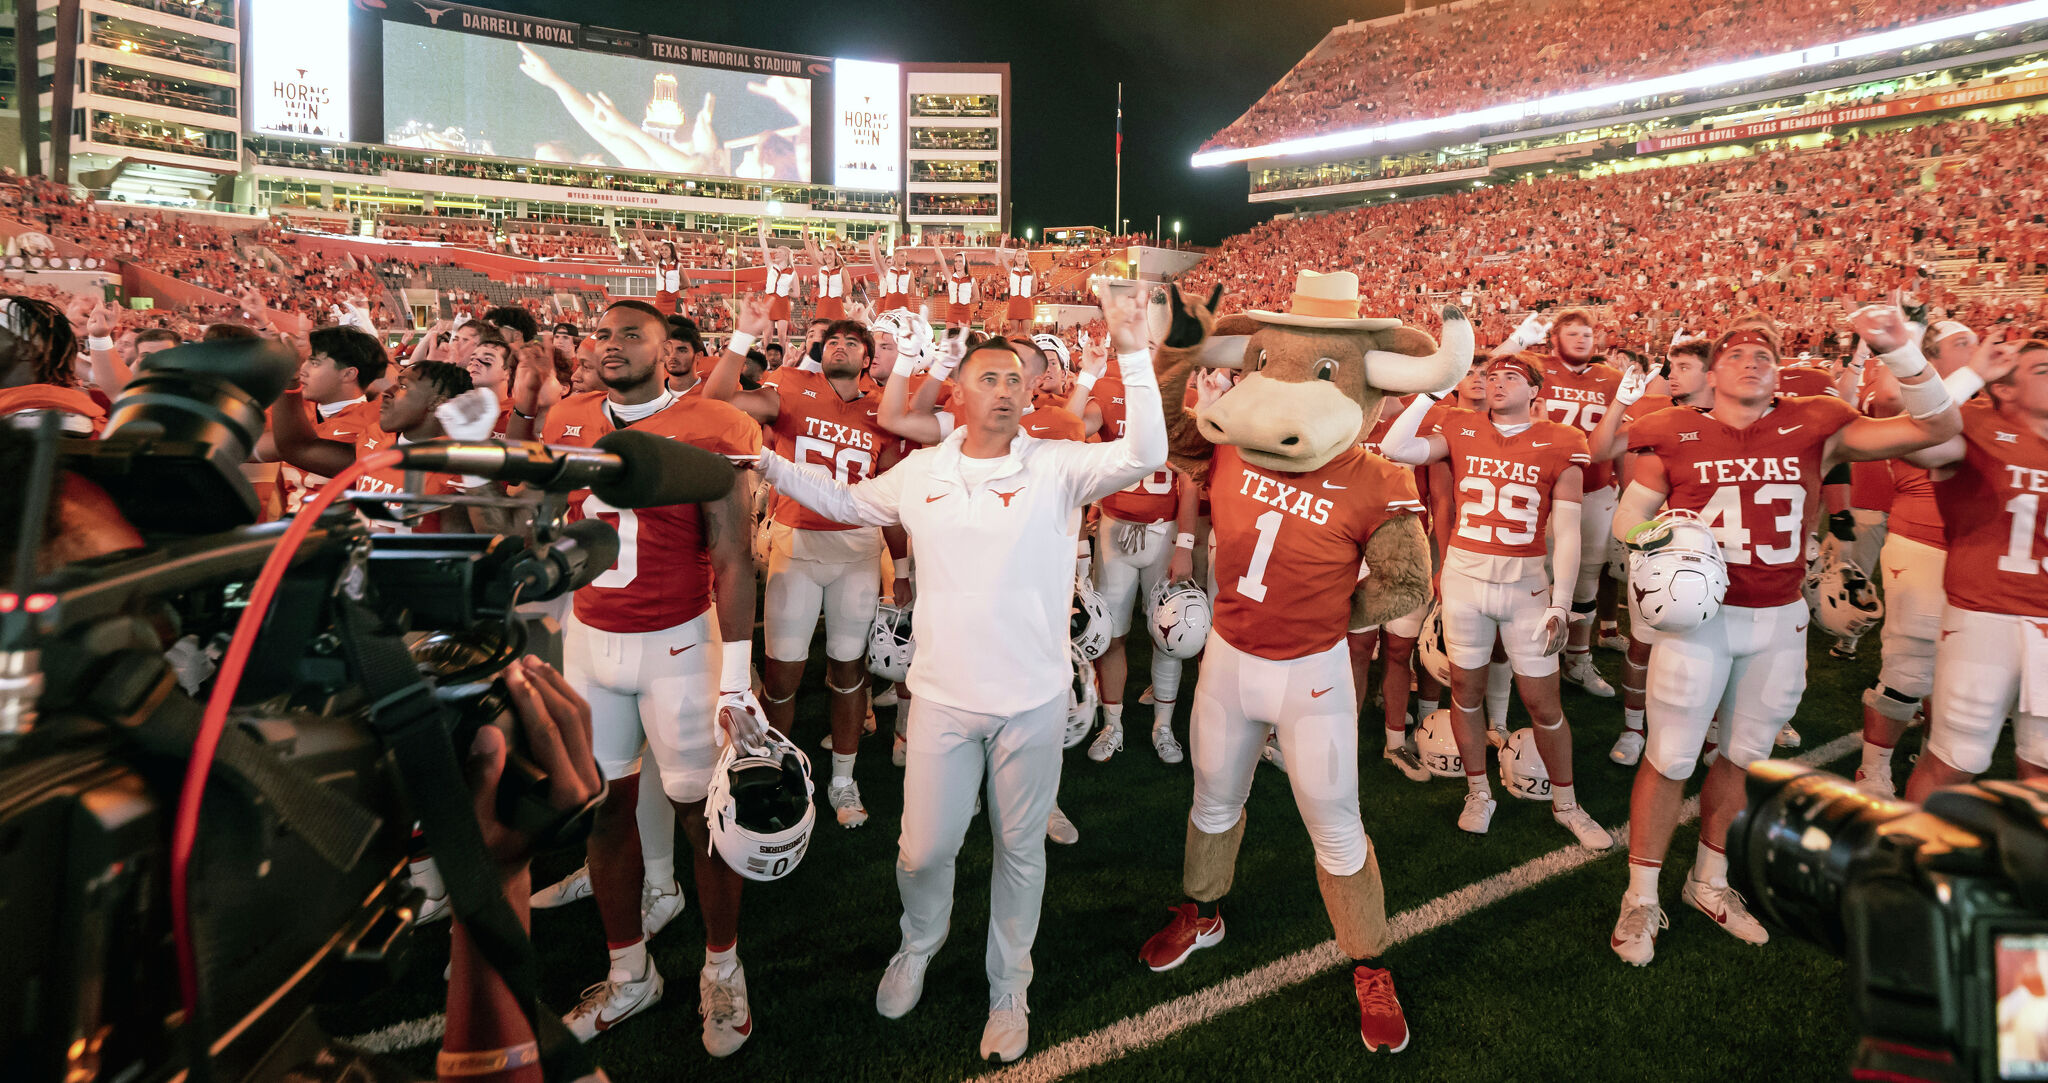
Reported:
(1314, 536)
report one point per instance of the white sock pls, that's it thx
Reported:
(1165, 687)
(1642, 882)
(656, 818)
(722, 961)
(1563, 796)
(902, 712)
(1632, 717)
(1711, 865)
(1609, 628)
(1113, 714)
(1877, 760)
(842, 768)
(1396, 739)
(1425, 707)
(1479, 783)
(1500, 681)
(632, 958)
(427, 877)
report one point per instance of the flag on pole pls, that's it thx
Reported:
(1119, 118)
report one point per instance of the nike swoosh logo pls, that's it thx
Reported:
(673, 651)
(1314, 694)
(1801, 628)
(1545, 443)
(1331, 485)
(941, 496)
(1538, 593)
(1794, 428)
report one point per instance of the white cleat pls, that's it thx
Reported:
(722, 1001)
(1163, 743)
(1614, 641)
(1628, 748)
(1477, 814)
(658, 907)
(612, 1001)
(902, 984)
(1724, 905)
(1060, 829)
(1582, 826)
(568, 889)
(845, 801)
(1635, 935)
(1009, 1029)
(1271, 753)
(1407, 762)
(1788, 737)
(1580, 672)
(886, 697)
(899, 750)
(434, 908)
(1878, 787)
(1107, 743)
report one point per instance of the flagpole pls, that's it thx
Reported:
(1116, 223)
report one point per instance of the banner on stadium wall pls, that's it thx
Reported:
(1850, 114)
(299, 69)
(867, 143)
(533, 30)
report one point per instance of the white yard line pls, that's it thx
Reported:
(1156, 1025)
(1165, 1020)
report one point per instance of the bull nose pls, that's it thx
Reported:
(1289, 441)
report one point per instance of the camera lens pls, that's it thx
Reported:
(210, 393)
(1791, 850)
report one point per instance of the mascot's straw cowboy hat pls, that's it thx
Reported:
(1324, 302)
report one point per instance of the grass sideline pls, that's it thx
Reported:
(1523, 989)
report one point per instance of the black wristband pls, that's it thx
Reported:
(1842, 526)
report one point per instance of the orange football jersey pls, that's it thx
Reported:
(1915, 513)
(1753, 486)
(71, 400)
(663, 574)
(375, 439)
(1991, 514)
(815, 427)
(1804, 380)
(1154, 498)
(1288, 546)
(1580, 399)
(1504, 483)
(347, 425)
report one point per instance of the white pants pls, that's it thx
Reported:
(797, 589)
(1596, 531)
(1913, 604)
(948, 753)
(1747, 665)
(658, 686)
(1127, 579)
(1981, 675)
(1306, 702)
(1871, 536)
(1486, 596)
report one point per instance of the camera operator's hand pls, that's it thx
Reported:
(555, 723)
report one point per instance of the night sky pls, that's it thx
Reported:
(1188, 69)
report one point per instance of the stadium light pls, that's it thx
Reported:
(1908, 37)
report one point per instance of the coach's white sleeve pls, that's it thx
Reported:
(1097, 470)
(873, 502)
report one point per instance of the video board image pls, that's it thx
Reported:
(470, 94)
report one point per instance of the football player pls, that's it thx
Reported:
(331, 383)
(38, 366)
(1517, 484)
(639, 645)
(825, 419)
(1750, 466)
(1991, 655)
(406, 415)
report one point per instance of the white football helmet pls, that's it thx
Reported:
(1180, 618)
(1430, 647)
(912, 332)
(890, 646)
(1055, 347)
(759, 808)
(1843, 600)
(1676, 578)
(1521, 767)
(1083, 696)
(1088, 624)
(1437, 747)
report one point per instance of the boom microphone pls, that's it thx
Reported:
(626, 469)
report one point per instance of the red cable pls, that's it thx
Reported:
(185, 829)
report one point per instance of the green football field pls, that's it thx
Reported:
(1502, 962)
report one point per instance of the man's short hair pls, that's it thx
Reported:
(1757, 332)
(228, 332)
(514, 318)
(566, 328)
(1690, 347)
(776, 346)
(684, 329)
(991, 346)
(854, 329)
(1572, 315)
(1531, 365)
(351, 348)
(447, 377)
(637, 306)
(158, 334)
(491, 337)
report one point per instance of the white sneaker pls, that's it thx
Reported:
(432, 909)
(1614, 641)
(1876, 786)
(1060, 829)
(899, 750)
(612, 1001)
(1107, 743)
(886, 697)
(845, 801)
(1724, 905)
(1478, 812)
(1788, 737)
(1635, 934)
(902, 984)
(659, 907)
(1271, 753)
(568, 889)
(1580, 672)
(1581, 824)
(1008, 1030)
(1628, 748)
(1163, 743)
(1407, 762)
(722, 1001)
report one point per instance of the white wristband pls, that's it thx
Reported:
(906, 365)
(736, 666)
(99, 342)
(741, 342)
(1085, 379)
(1185, 541)
(1925, 399)
(902, 567)
(1962, 384)
(1905, 362)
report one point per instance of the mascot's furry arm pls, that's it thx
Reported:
(1176, 361)
(1397, 573)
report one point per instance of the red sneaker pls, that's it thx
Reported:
(1182, 937)
(1380, 1020)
